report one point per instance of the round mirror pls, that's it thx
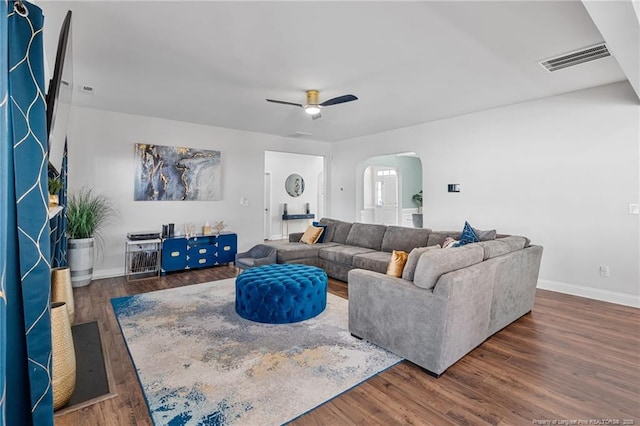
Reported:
(294, 185)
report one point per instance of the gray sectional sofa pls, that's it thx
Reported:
(447, 302)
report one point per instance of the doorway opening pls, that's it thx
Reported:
(386, 189)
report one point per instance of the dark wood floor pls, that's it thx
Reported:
(570, 359)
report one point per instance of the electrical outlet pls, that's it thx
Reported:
(604, 271)
(634, 208)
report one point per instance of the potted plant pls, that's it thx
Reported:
(417, 217)
(87, 214)
(55, 185)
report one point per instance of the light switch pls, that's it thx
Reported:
(634, 208)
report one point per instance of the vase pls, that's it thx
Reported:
(53, 200)
(63, 375)
(80, 252)
(61, 289)
(417, 220)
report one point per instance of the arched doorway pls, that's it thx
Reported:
(387, 187)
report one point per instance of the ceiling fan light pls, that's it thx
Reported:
(312, 109)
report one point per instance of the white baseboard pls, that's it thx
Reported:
(591, 293)
(108, 273)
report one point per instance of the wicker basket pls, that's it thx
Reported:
(62, 291)
(63, 354)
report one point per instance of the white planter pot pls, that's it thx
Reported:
(80, 256)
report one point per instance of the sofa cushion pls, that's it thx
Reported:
(376, 261)
(434, 263)
(330, 230)
(366, 235)
(438, 237)
(341, 253)
(397, 262)
(412, 261)
(501, 246)
(341, 232)
(405, 239)
(288, 252)
(486, 235)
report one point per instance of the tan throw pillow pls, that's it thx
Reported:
(396, 264)
(311, 235)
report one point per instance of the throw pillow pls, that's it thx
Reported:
(323, 233)
(468, 236)
(449, 242)
(397, 262)
(410, 267)
(311, 235)
(485, 235)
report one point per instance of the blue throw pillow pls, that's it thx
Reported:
(324, 231)
(468, 236)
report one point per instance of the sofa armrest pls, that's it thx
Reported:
(431, 328)
(295, 237)
(397, 315)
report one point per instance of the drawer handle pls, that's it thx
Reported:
(202, 261)
(227, 248)
(202, 251)
(175, 253)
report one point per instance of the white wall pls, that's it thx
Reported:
(101, 149)
(559, 170)
(280, 165)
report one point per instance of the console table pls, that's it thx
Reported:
(287, 217)
(200, 251)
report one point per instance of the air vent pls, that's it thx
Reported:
(581, 56)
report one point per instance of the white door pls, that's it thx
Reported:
(267, 206)
(386, 196)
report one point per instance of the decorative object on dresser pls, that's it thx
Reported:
(200, 251)
(168, 173)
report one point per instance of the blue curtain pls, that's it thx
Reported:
(59, 223)
(25, 360)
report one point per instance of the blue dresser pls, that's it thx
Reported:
(201, 251)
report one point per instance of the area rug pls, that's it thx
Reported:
(199, 363)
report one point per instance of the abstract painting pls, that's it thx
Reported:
(169, 173)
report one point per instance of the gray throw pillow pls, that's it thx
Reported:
(410, 267)
(486, 235)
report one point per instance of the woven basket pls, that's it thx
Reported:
(63, 354)
(62, 291)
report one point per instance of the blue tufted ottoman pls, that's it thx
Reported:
(280, 294)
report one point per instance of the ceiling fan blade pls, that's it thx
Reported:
(316, 116)
(339, 100)
(283, 102)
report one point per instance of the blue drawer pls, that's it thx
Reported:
(174, 254)
(201, 261)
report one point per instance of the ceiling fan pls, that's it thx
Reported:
(312, 107)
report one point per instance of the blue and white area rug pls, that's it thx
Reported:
(199, 363)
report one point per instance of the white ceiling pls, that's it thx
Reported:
(215, 63)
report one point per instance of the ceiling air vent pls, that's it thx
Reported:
(581, 56)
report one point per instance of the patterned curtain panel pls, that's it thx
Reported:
(59, 224)
(25, 361)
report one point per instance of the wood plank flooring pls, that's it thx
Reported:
(571, 359)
